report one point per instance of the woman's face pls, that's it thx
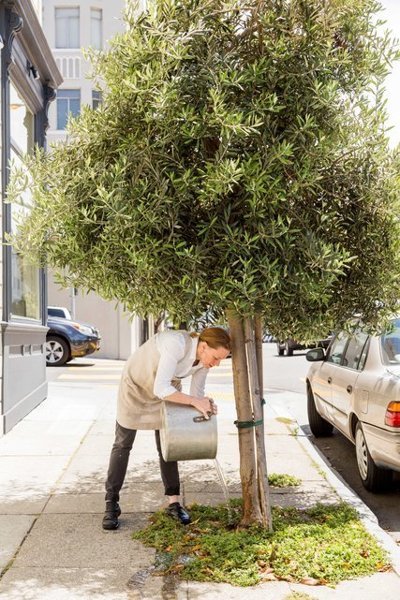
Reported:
(211, 357)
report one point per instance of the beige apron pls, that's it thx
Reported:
(137, 406)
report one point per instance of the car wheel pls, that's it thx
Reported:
(57, 351)
(280, 348)
(288, 349)
(319, 426)
(374, 479)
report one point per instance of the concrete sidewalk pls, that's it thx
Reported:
(52, 470)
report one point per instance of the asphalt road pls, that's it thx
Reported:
(288, 373)
(54, 373)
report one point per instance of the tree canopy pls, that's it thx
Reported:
(239, 158)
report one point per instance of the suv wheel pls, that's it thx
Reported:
(319, 426)
(374, 479)
(57, 351)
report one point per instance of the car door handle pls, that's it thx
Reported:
(329, 379)
(349, 388)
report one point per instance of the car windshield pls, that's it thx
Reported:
(390, 344)
(62, 313)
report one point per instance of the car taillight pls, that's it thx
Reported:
(392, 416)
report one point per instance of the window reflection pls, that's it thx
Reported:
(390, 344)
(25, 283)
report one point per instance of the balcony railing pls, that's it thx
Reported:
(68, 63)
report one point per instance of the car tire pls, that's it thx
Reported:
(280, 349)
(288, 349)
(319, 426)
(57, 351)
(374, 479)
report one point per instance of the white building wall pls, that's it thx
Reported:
(120, 335)
(74, 68)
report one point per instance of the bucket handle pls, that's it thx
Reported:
(202, 418)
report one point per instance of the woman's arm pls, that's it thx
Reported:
(203, 405)
(171, 351)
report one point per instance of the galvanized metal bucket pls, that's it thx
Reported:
(185, 434)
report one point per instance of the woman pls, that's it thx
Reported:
(151, 375)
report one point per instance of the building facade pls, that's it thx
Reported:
(70, 26)
(29, 79)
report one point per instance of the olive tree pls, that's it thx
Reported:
(239, 162)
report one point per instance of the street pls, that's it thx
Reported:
(281, 373)
(289, 373)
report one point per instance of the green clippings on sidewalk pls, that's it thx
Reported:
(322, 545)
(285, 420)
(283, 480)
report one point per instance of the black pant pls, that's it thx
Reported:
(123, 443)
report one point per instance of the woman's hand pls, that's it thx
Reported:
(206, 406)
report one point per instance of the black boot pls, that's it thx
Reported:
(177, 512)
(112, 512)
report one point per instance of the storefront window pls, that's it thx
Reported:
(25, 280)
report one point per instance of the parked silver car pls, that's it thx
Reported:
(355, 386)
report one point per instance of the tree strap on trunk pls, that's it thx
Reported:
(248, 424)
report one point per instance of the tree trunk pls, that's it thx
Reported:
(254, 361)
(247, 448)
(253, 470)
(258, 333)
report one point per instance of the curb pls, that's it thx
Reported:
(367, 517)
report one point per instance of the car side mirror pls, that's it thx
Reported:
(315, 354)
